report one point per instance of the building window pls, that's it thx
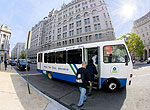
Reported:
(64, 28)
(106, 23)
(104, 15)
(59, 36)
(100, 36)
(59, 30)
(87, 28)
(77, 39)
(72, 40)
(80, 39)
(96, 18)
(71, 26)
(86, 14)
(94, 12)
(86, 38)
(87, 21)
(78, 17)
(97, 26)
(143, 35)
(59, 24)
(96, 36)
(79, 31)
(71, 33)
(65, 42)
(71, 19)
(78, 23)
(90, 37)
(64, 34)
(65, 21)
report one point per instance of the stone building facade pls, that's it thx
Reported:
(5, 34)
(80, 21)
(15, 53)
(141, 26)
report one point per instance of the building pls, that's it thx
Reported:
(15, 53)
(80, 21)
(5, 34)
(141, 27)
(37, 39)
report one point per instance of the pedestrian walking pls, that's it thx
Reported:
(5, 64)
(83, 79)
(92, 69)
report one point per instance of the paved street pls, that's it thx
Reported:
(134, 97)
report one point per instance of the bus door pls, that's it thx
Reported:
(40, 57)
(92, 54)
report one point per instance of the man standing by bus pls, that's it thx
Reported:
(82, 78)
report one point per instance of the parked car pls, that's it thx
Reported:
(9, 62)
(148, 60)
(21, 64)
(13, 63)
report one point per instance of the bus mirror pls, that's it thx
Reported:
(126, 60)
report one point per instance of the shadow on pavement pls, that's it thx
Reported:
(33, 101)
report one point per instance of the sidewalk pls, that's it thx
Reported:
(14, 94)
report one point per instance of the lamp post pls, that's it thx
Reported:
(27, 75)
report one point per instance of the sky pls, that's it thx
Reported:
(22, 15)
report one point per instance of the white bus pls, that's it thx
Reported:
(114, 63)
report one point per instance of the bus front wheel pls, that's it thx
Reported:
(111, 85)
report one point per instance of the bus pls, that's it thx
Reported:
(114, 64)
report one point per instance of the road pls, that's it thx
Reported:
(134, 97)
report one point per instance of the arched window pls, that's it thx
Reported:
(94, 12)
(59, 24)
(71, 19)
(78, 17)
(86, 14)
(65, 21)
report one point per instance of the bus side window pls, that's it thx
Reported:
(75, 56)
(61, 57)
(40, 57)
(51, 57)
(45, 58)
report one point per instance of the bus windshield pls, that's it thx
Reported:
(115, 54)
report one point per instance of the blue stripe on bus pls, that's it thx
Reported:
(65, 77)
(72, 78)
(122, 81)
(75, 66)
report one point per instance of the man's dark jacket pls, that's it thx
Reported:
(85, 75)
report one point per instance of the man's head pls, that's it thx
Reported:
(84, 64)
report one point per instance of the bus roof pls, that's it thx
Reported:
(86, 45)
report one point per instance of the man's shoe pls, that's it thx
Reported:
(81, 105)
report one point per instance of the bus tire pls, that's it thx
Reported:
(111, 85)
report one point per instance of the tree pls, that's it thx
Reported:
(134, 43)
(22, 54)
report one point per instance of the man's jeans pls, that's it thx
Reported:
(82, 96)
(90, 89)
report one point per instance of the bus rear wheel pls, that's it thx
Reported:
(49, 75)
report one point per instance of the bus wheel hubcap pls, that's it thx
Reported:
(112, 86)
